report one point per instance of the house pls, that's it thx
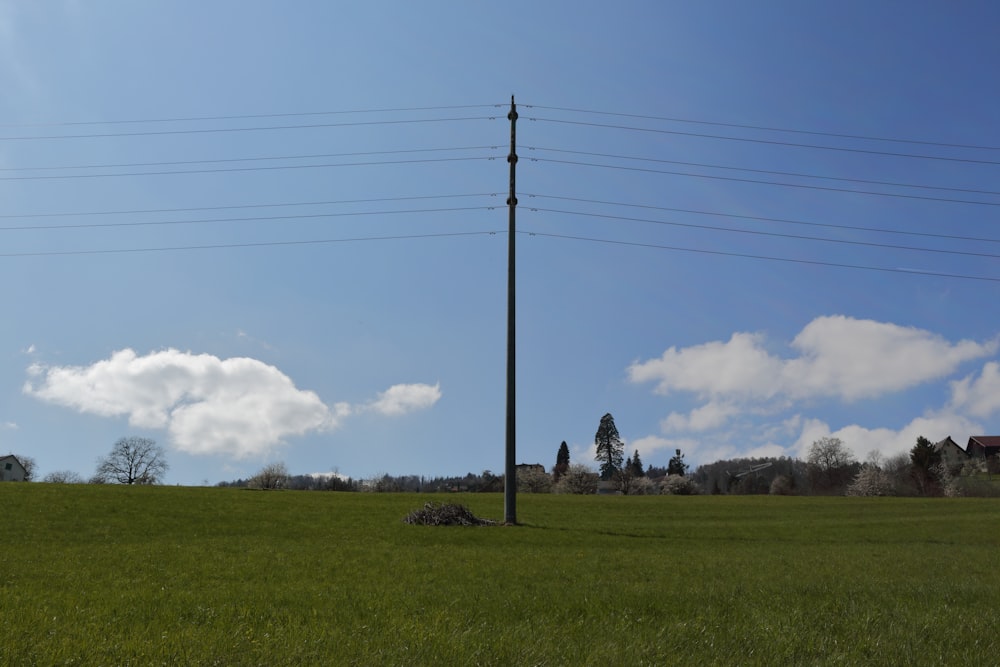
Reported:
(983, 446)
(11, 469)
(530, 467)
(952, 455)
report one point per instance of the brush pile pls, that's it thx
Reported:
(443, 514)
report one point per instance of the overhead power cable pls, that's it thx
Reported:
(304, 216)
(241, 206)
(298, 114)
(881, 230)
(150, 133)
(220, 246)
(225, 170)
(758, 232)
(754, 181)
(761, 257)
(767, 171)
(314, 156)
(743, 126)
(772, 142)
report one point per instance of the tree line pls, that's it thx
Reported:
(830, 468)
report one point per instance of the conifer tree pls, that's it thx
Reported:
(610, 448)
(676, 466)
(562, 462)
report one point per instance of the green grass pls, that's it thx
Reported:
(105, 575)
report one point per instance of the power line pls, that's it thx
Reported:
(771, 142)
(762, 257)
(767, 171)
(753, 181)
(305, 216)
(187, 119)
(219, 246)
(248, 159)
(149, 133)
(773, 129)
(789, 221)
(226, 170)
(758, 232)
(241, 206)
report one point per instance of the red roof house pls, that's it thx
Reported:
(983, 446)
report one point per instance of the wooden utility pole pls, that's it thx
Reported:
(510, 465)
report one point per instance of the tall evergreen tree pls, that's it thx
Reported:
(610, 448)
(676, 466)
(635, 465)
(562, 462)
(925, 459)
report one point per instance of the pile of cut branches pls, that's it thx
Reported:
(444, 514)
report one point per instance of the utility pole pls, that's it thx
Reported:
(510, 467)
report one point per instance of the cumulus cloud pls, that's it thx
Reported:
(403, 398)
(710, 416)
(979, 397)
(887, 441)
(837, 357)
(742, 382)
(240, 406)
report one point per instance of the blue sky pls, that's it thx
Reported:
(257, 233)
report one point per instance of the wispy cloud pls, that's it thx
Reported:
(240, 407)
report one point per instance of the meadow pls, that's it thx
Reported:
(113, 575)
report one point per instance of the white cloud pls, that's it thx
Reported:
(403, 398)
(742, 381)
(838, 357)
(8, 426)
(240, 407)
(739, 367)
(888, 442)
(852, 359)
(978, 397)
(710, 416)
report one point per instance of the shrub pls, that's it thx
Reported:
(578, 479)
(676, 485)
(781, 486)
(271, 476)
(643, 486)
(871, 481)
(534, 481)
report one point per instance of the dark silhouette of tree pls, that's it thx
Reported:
(676, 466)
(925, 460)
(634, 465)
(831, 465)
(562, 462)
(610, 448)
(133, 461)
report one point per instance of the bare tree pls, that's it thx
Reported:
(271, 476)
(831, 465)
(63, 477)
(133, 461)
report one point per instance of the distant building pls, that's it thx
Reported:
(952, 455)
(983, 446)
(11, 469)
(530, 467)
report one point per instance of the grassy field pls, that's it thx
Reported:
(106, 575)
